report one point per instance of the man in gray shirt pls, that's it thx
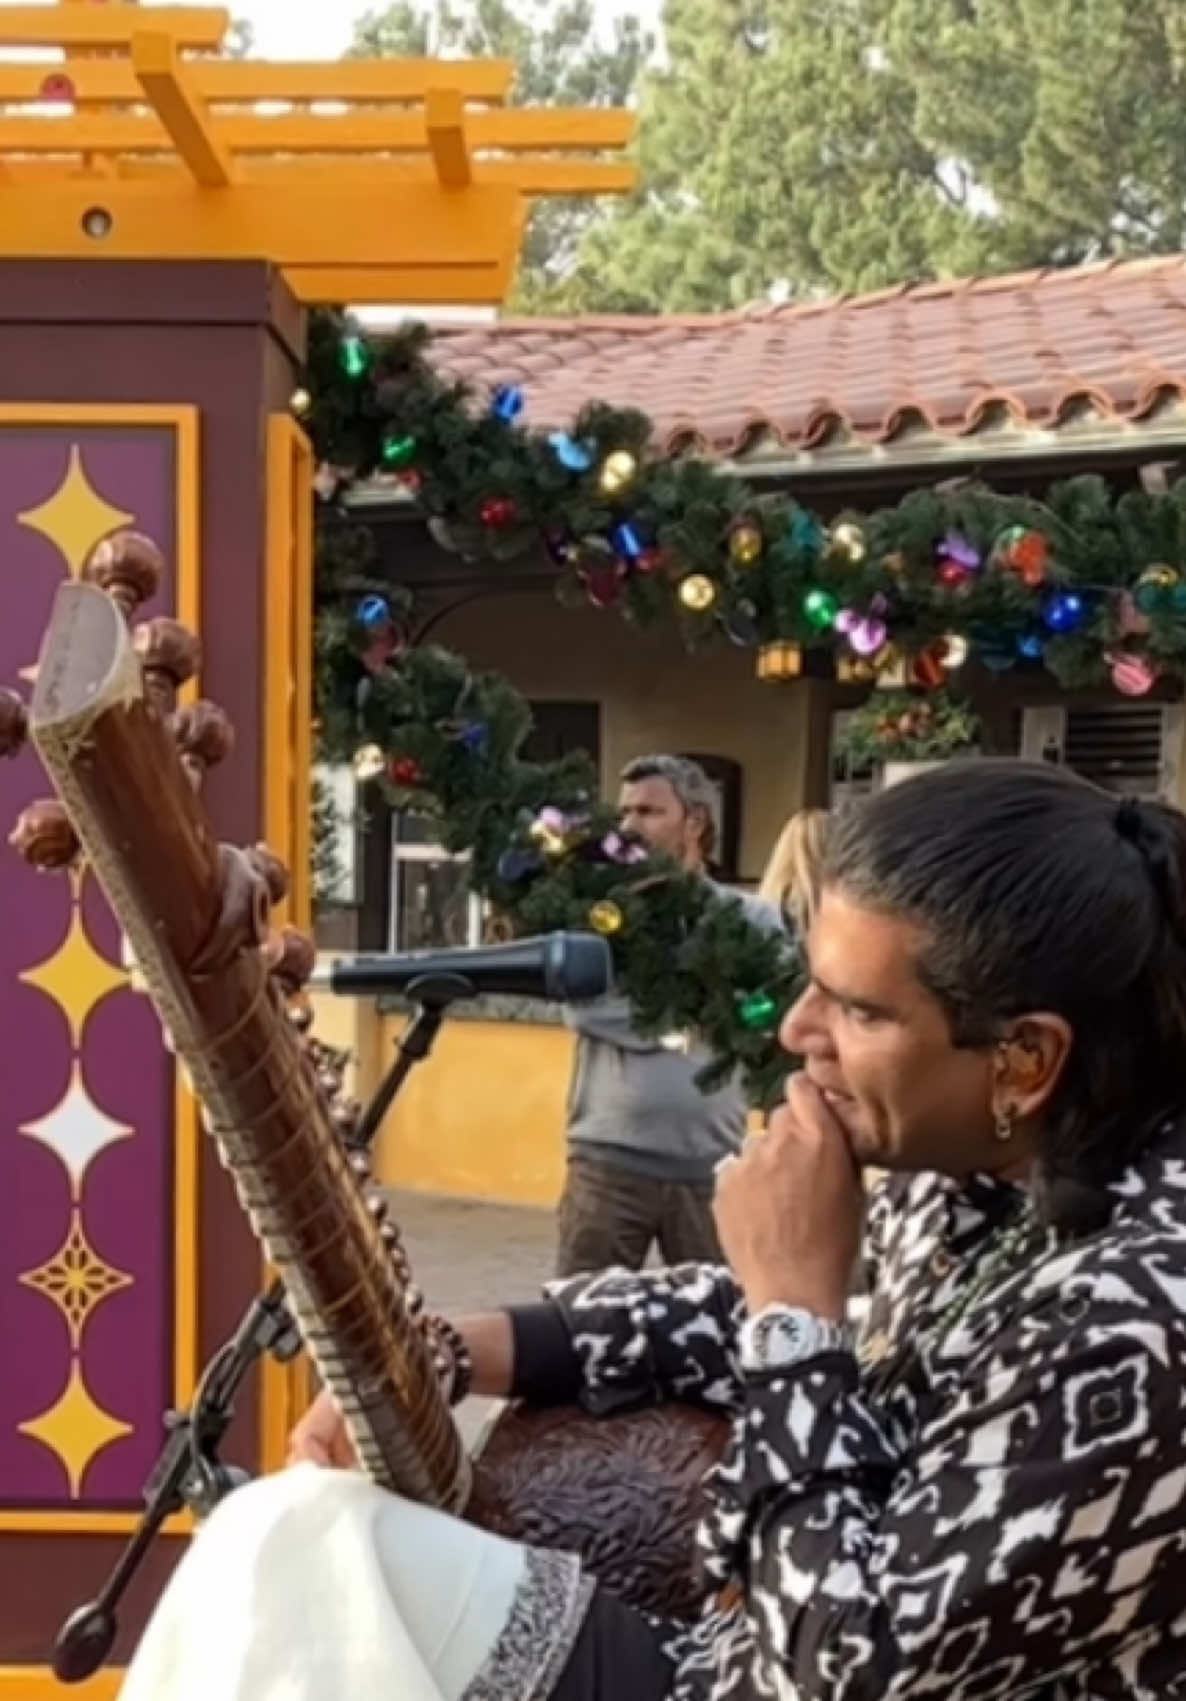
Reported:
(643, 1140)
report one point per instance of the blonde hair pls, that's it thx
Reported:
(792, 877)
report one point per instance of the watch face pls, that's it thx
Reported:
(787, 1337)
(783, 1339)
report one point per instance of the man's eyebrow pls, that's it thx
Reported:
(868, 1005)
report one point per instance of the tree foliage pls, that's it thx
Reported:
(564, 56)
(832, 145)
(239, 41)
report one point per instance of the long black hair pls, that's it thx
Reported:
(1034, 890)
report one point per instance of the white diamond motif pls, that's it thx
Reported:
(76, 1130)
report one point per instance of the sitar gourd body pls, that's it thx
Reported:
(624, 1491)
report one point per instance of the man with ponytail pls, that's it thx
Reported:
(979, 1497)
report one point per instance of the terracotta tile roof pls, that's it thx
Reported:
(940, 355)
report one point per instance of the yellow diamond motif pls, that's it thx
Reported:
(76, 1428)
(76, 1279)
(77, 977)
(76, 1129)
(75, 518)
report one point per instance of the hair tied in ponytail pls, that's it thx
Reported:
(1129, 821)
(1147, 830)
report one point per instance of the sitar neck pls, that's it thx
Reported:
(195, 915)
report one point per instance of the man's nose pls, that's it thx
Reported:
(804, 1030)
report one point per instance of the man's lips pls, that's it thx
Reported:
(830, 1094)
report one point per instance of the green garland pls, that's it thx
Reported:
(904, 726)
(549, 856)
(1090, 586)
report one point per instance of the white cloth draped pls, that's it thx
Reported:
(313, 1585)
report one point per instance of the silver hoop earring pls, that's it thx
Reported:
(1004, 1124)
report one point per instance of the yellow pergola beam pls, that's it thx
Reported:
(524, 130)
(323, 223)
(242, 81)
(529, 175)
(181, 110)
(368, 180)
(444, 121)
(108, 26)
(414, 286)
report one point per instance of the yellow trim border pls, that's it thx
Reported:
(286, 746)
(182, 420)
(38, 1683)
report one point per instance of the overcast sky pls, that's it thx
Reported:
(299, 29)
(321, 29)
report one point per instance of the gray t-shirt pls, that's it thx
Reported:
(634, 1102)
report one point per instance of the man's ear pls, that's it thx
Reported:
(1029, 1062)
(699, 822)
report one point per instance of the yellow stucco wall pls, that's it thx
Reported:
(482, 1118)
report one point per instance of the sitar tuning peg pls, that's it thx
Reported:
(14, 724)
(170, 656)
(44, 837)
(129, 567)
(291, 957)
(204, 736)
(271, 871)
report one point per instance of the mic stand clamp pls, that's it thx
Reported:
(189, 1474)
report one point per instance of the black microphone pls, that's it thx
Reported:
(565, 967)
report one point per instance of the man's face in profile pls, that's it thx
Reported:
(877, 1044)
(652, 812)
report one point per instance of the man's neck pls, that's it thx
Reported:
(1019, 1173)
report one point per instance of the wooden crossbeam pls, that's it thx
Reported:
(107, 26)
(181, 110)
(242, 81)
(524, 130)
(444, 122)
(328, 223)
(530, 176)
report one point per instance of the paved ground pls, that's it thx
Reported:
(468, 1256)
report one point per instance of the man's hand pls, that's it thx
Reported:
(321, 1438)
(788, 1210)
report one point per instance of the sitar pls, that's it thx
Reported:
(125, 762)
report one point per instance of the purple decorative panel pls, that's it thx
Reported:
(87, 1209)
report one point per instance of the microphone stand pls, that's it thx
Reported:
(189, 1474)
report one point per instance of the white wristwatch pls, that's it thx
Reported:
(782, 1336)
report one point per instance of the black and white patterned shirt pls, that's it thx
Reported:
(971, 1510)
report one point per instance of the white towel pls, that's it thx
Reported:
(313, 1585)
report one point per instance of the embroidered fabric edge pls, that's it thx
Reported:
(545, 1620)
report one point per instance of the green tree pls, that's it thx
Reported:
(563, 58)
(1071, 115)
(239, 41)
(830, 145)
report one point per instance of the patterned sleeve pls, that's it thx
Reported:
(658, 1335)
(1031, 1526)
